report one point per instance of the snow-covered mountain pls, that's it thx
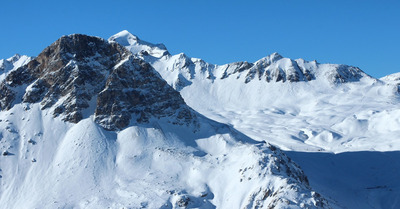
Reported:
(181, 69)
(303, 107)
(88, 124)
(91, 123)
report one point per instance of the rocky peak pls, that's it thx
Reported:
(77, 71)
(345, 74)
(274, 57)
(278, 69)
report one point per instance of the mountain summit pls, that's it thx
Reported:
(137, 46)
(79, 72)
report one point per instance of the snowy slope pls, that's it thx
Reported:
(305, 108)
(88, 125)
(53, 164)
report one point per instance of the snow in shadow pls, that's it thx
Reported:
(355, 179)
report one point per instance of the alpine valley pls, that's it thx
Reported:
(122, 123)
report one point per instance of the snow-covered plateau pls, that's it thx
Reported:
(122, 123)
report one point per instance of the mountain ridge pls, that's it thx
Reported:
(273, 67)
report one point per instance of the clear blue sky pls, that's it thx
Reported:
(354, 32)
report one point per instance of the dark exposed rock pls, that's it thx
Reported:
(346, 74)
(238, 68)
(77, 69)
(183, 201)
(291, 73)
(143, 93)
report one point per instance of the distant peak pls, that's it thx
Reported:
(270, 58)
(125, 33)
(14, 58)
(183, 56)
(138, 46)
(275, 56)
(125, 38)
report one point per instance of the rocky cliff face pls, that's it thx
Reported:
(80, 72)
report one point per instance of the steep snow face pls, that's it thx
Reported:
(12, 63)
(48, 163)
(80, 75)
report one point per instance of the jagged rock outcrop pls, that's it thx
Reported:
(78, 69)
(134, 87)
(269, 71)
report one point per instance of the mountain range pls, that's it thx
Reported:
(122, 123)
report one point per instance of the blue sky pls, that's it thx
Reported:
(354, 32)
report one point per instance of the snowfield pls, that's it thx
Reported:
(53, 164)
